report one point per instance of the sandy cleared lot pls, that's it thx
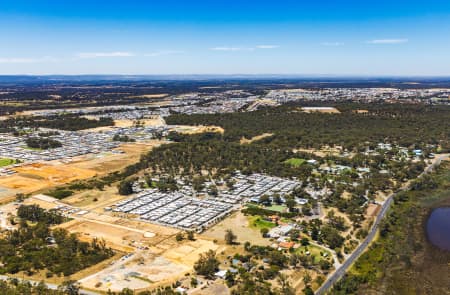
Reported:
(42, 201)
(142, 270)
(36, 176)
(7, 194)
(325, 110)
(161, 95)
(255, 138)
(162, 264)
(121, 234)
(95, 200)
(197, 129)
(5, 212)
(218, 288)
(108, 162)
(187, 252)
(116, 237)
(157, 121)
(55, 174)
(238, 223)
(372, 210)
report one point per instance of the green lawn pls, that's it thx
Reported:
(257, 222)
(32, 149)
(295, 162)
(315, 252)
(6, 162)
(276, 208)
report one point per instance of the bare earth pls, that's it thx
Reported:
(238, 223)
(255, 138)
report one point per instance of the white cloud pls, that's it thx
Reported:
(267, 46)
(163, 52)
(232, 48)
(332, 44)
(27, 60)
(104, 54)
(387, 41)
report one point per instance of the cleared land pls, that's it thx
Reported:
(157, 121)
(197, 129)
(241, 226)
(255, 138)
(38, 176)
(150, 95)
(34, 177)
(164, 263)
(95, 200)
(117, 236)
(54, 174)
(326, 110)
(217, 288)
(108, 162)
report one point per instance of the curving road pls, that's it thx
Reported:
(339, 273)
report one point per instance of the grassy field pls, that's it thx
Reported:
(258, 222)
(276, 208)
(32, 149)
(316, 252)
(6, 162)
(295, 162)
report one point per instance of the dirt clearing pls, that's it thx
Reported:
(325, 110)
(162, 264)
(197, 129)
(238, 223)
(255, 138)
(108, 162)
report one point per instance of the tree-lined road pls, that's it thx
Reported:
(340, 272)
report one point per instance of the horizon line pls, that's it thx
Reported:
(238, 74)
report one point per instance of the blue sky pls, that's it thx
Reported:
(225, 37)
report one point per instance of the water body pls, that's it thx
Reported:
(438, 228)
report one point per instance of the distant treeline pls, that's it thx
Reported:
(69, 122)
(406, 125)
(74, 92)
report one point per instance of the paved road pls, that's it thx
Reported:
(339, 273)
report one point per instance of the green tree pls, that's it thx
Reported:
(190, 235)
(179, 237)
(264, 231)
(70, 287)
(126, 187)
(230, 237)
(207, 265)
(285, 286)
